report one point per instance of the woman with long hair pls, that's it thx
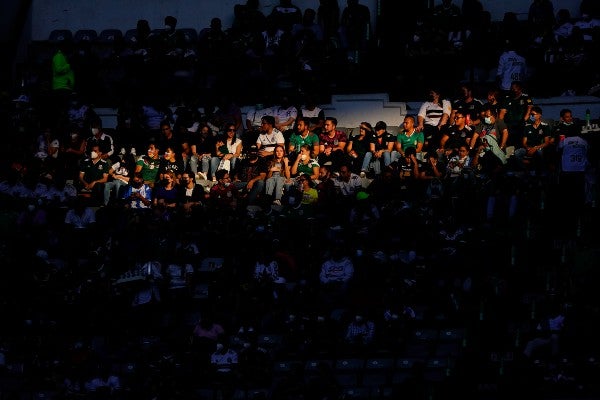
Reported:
(278, 174)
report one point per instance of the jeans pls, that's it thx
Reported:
(366, 161)
(274, 186)
(253, 194)
(204, 162)
(386, 158)
(193, 164)
(214, 164)
(113, 186)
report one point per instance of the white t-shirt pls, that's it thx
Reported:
(511, 67)
(574, 154)
(283, 114)
(268, 141)
(254, 115)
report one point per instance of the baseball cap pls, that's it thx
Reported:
(380, 125)
(22, 99)
(362, 195)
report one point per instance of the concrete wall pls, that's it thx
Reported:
(351, 110)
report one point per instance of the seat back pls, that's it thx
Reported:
(85, 36)
(129, 36)
(60, 35)
(110, 36)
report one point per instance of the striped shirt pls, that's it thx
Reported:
(433, 112)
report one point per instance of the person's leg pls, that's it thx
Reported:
(108, 187)
(279, 181)
(205, 164)
(214, 165)
(97, 195)
(257, 189)
(194, 164)
(519, 157)
(377, 166)
(387, 158)
(120, 189)
(366, 161)
(270, 186)
(233, 164)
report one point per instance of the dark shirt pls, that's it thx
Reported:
(105, 143)
(177, 167)
(205, 145)
(249, 170)
(169, 196)
(473, 107)
(173, 142)
(567, 130)
(196, 195)
(516, 109)
(360, 146)
(456, 136)
(381, 142)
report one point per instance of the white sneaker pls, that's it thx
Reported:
(202, 175)
(363, 174)
(276, 202)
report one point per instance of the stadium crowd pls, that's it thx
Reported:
(198, 252)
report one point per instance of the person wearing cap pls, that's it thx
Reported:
(249, 177)
(381, 147)
(358, 149)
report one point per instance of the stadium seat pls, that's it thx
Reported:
(60, 35)
(190, 35)
(85, 36)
